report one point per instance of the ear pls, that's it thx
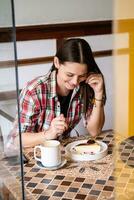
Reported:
(56, 62)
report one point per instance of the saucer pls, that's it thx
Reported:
(41, 166)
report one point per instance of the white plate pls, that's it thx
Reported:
(41, 166)
(85, 157)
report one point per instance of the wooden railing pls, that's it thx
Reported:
(54, 31)
(59, 32)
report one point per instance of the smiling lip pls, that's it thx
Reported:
(71, 86)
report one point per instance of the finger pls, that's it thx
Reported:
(59, 122)
(94, 76)
(61, 127)
(59, 131)
(94, 80)
(60, 117)
(59, 134)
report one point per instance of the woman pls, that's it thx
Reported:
(51, 105)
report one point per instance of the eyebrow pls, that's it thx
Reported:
(78, 75)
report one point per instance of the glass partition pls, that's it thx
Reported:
(11, 162)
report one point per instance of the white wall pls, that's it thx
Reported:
(121, 100)
(5, 13)
(29, 12)
(61, 11)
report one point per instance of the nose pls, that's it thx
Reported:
(75, 80)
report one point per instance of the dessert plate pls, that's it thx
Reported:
(73, 155)
(41, 166)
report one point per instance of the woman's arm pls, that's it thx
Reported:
(57, 127)
(95, 120)
(30, 139)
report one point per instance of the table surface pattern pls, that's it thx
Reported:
(111, 177)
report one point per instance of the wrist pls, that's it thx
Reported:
(48, 134)
(45, 134)
(98, 95)
(99, 101)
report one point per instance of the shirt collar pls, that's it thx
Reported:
(52, 84)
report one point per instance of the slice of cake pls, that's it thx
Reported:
(90, 147)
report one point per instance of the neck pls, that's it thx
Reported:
(62, 92)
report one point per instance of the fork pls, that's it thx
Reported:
(94, 168)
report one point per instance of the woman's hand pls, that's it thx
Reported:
(58, 127)
(96, 83)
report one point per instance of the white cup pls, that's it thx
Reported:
(50, 153)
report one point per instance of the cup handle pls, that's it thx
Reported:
(35, 148)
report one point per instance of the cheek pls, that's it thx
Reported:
(63, 77)
(66, 78)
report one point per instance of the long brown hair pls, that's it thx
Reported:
(78, 50)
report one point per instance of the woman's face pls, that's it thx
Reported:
(70, 75)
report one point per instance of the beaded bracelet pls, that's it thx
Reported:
(101, 100)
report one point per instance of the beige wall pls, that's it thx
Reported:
(123, 9)
(123, 69)
(121, 76)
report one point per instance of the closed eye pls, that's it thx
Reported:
(70, 75)
(81, 76)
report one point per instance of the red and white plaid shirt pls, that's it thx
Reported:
(39, 105)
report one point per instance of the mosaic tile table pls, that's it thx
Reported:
(93, 180)
(124, 168)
